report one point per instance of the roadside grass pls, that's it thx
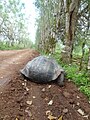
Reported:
(6, 47)
(10, 47)
(80, 78)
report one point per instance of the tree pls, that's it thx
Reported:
(48, 24)
(71, 10)
(13, 23)
(63, 20)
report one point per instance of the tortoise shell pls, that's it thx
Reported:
(42, 69)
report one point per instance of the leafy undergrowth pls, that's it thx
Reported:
(6, 47)
(80, 78)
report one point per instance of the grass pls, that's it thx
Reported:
(6, 47)
(80, 78)
(10, 48)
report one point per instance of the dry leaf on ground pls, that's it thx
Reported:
(16, 119)
(50, 102)
(50, 117)
(65, 110)
(43, 90)
(29, 102)
(60, 118)
(27, 89)
(49, 86)
(48, 112)
(81, 112)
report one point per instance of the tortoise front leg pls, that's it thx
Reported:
(60, 79)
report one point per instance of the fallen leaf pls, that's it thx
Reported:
(78, 97)
(50, 102)
(50, 117)
(80, 112)
(48, 112)
(34, 97)
(65, 110)
(60, 118)
(23, 84)
(27, 89)
(46, 99)
(78, 103)
(73, 105)
(43, 90)
(16, 119)
(49, 86)
(86, 116)
(25, 80)
(29, 102)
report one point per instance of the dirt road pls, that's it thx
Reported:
(9, 61)
(24, 100)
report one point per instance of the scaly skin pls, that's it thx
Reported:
(60, 79)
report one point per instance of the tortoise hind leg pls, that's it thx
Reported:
(60, 79)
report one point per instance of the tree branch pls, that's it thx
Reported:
(80, 14)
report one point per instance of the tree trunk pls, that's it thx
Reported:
(83, 51)
(71, 10)
(88, 66)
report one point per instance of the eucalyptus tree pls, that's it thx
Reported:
(48, 23)
(13, 22)
(71, 11)
(76, 25)
(65, 20)
(82, 34)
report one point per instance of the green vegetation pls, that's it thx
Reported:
(14, 32)
(5, 46)
(80, 78)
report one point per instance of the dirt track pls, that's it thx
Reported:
(24, 100)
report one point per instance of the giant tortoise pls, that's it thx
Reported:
(43, 69)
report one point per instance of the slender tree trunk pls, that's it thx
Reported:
(83, 51)
(71, 10)
(88, 67)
